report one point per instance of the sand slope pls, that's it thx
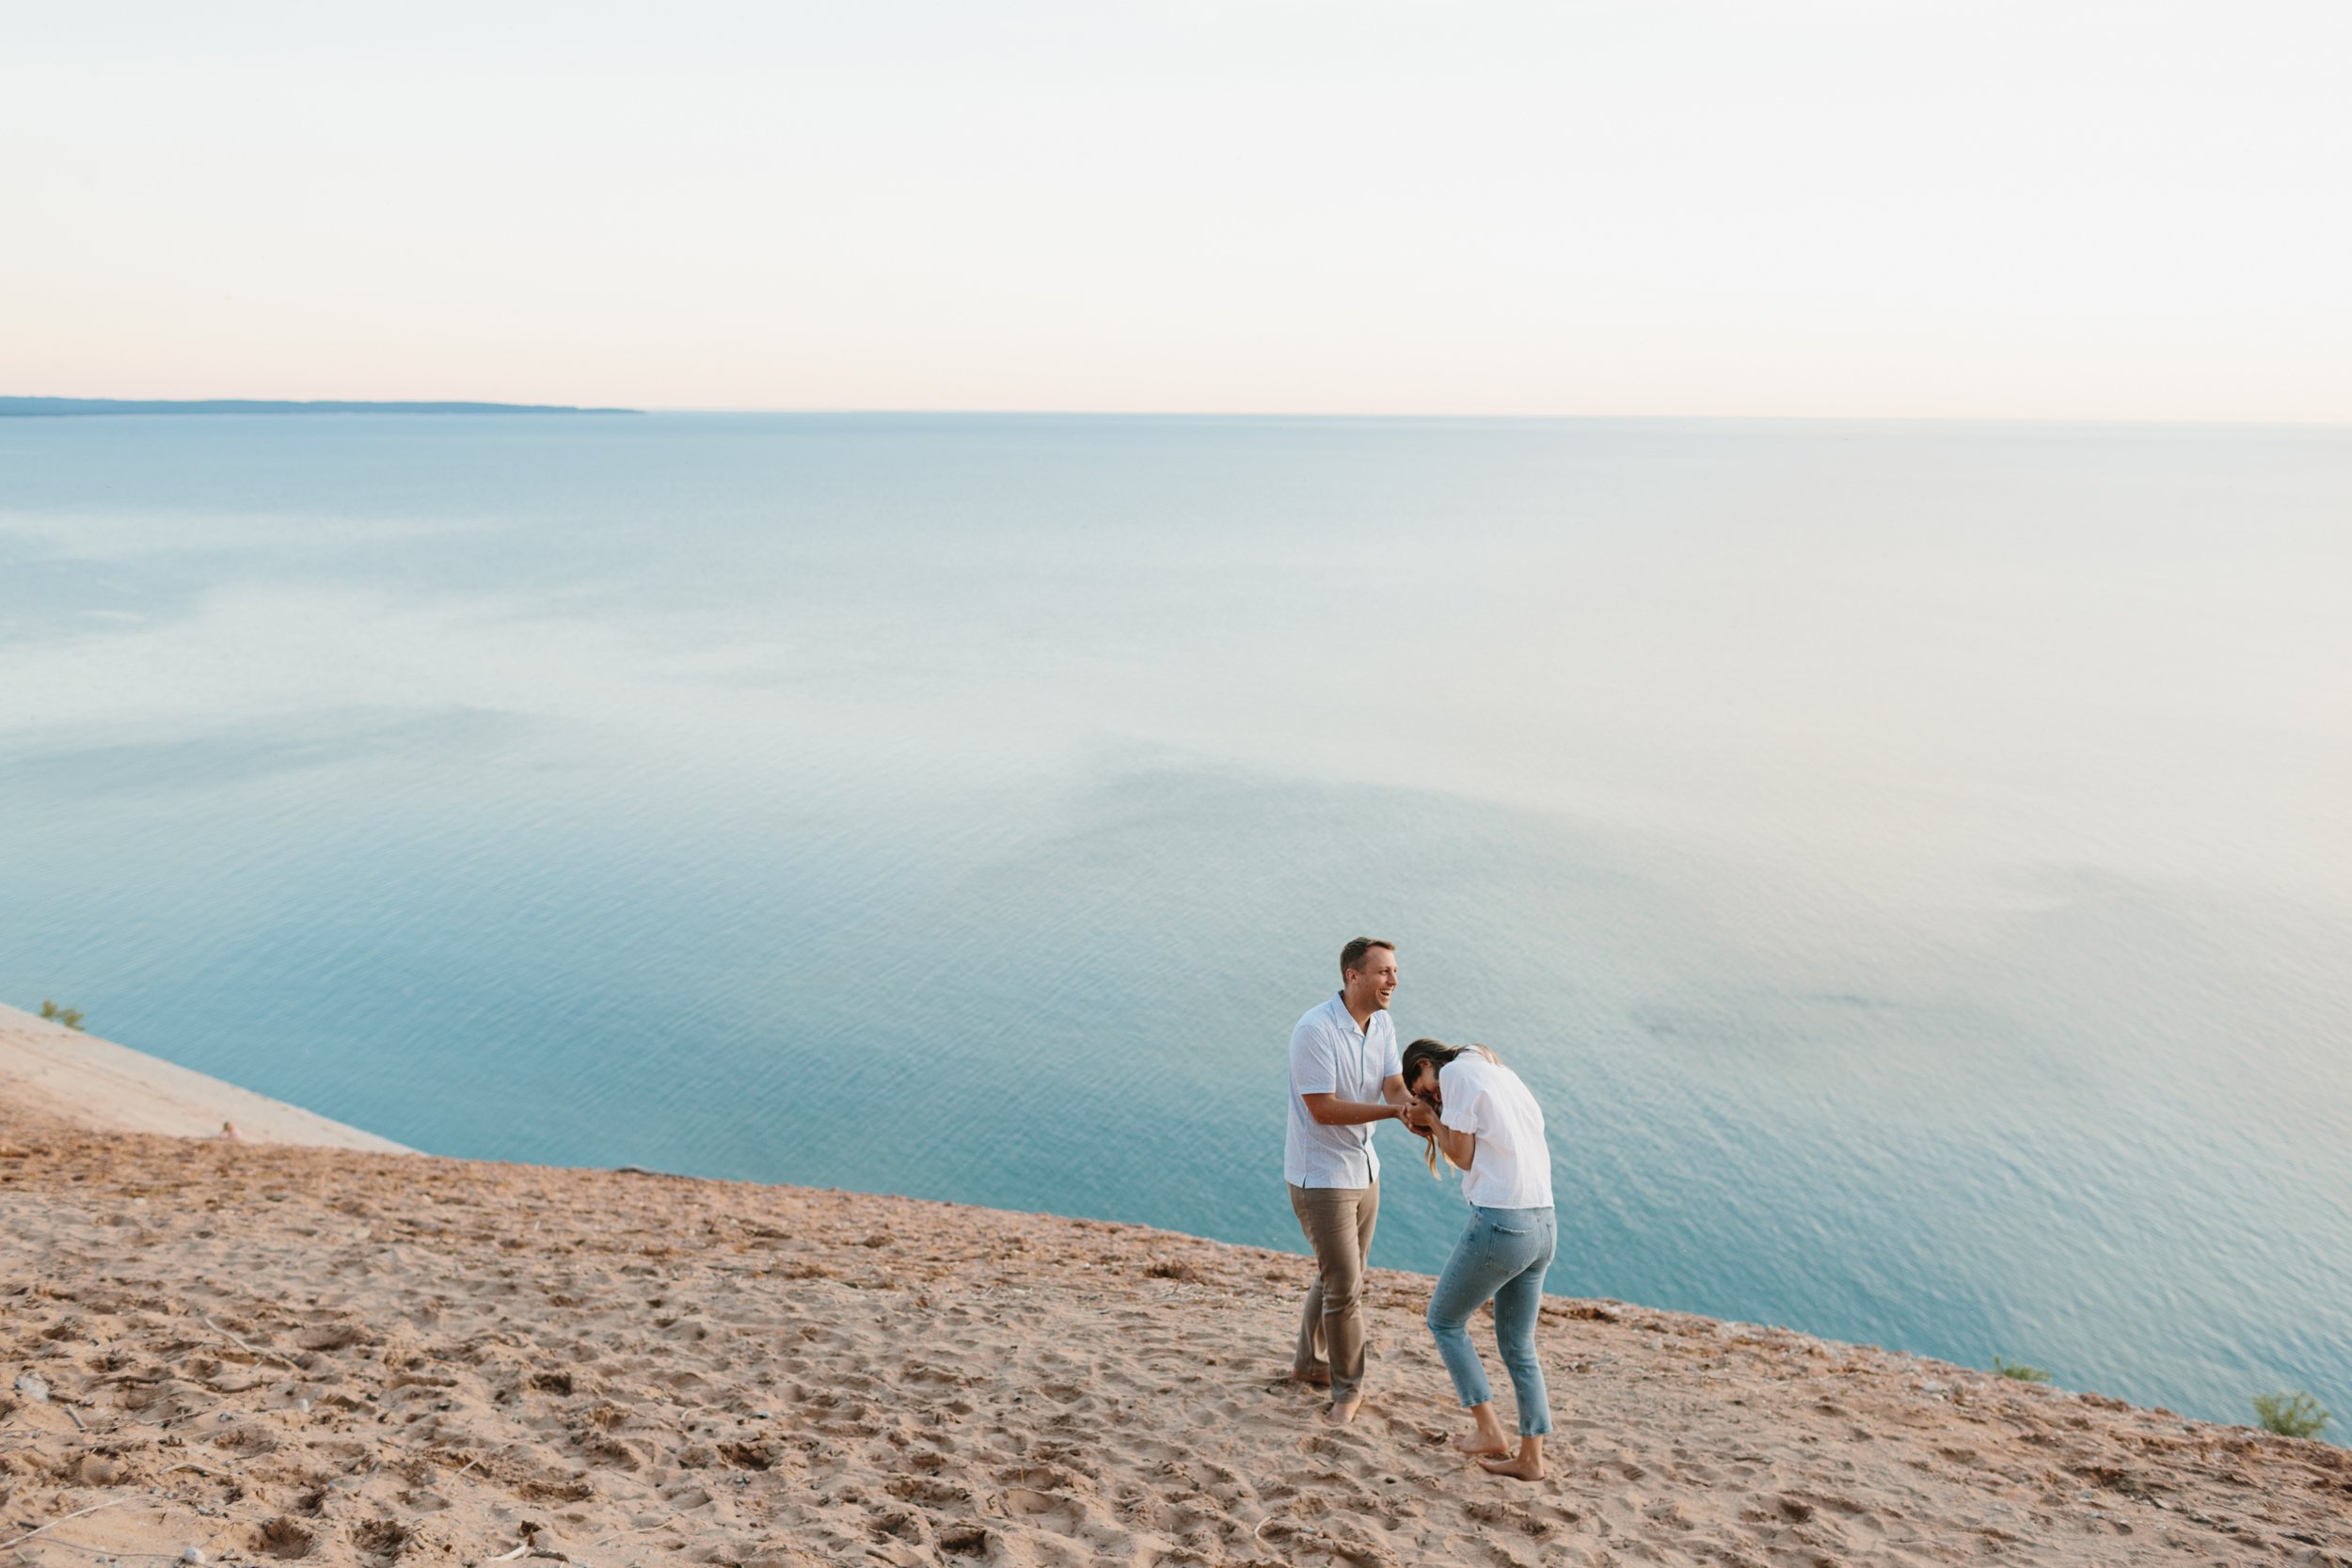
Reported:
(505, 1361)
(87, 1082)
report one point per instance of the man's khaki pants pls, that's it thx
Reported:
(1338, 1222)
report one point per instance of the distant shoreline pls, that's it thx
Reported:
(48, 408)
(85, 407)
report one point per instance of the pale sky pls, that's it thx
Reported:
(2053, 209)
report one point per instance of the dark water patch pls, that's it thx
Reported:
(242, 754)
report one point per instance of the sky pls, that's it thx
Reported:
(2056, 209)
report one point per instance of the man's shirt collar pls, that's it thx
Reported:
(1346, 1019)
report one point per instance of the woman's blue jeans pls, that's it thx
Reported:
(1503, 1255)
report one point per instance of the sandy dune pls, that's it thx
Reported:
(86, 1082)
(283, 1353)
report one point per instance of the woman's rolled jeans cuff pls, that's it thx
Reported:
(1503, 1255)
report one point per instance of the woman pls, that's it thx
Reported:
(1478, 1113)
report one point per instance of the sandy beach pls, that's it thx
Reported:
(303, 1347)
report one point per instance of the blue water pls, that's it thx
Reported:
(1912, 863)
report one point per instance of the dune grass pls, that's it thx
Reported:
(2296, 1415)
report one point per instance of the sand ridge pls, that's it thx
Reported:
(86, 1082)
(337, 1357)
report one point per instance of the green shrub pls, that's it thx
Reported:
(2018, 1372)
(69, 1017)
(2296, 1415)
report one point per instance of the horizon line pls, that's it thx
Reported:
(2190, 420)
(262, 405)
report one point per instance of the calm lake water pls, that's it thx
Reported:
(1912, 863)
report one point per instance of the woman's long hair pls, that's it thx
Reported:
(1435, 1054)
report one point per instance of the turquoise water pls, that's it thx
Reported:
(1910, 862)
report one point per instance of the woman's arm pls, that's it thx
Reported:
(1459, 1147)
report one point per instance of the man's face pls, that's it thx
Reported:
(1374, 979)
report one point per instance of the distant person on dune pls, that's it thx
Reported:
(1345, 1076)
(1475, 1110)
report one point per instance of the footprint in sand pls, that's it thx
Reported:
(1042, 1510)
(1038, 1477)
(1507, 1516)
(902, 1524)
(930, 1490)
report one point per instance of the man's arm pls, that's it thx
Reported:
(1330, 1110)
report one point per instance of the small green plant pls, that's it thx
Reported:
(69, 1017)
(2020, 1372)
(2296, 1415)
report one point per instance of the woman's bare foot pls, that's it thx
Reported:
(1526, 1464)
(1486, 1434)
(1339, 1415)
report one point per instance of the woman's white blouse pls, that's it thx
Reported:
(1511, 1168)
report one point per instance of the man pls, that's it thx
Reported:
(1346, 1075)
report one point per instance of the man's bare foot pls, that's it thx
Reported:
(1319, 1380)
(1339, 1415)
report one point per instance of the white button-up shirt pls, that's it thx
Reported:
(1330, 1055)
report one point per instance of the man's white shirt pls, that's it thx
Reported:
(1330, 1055)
